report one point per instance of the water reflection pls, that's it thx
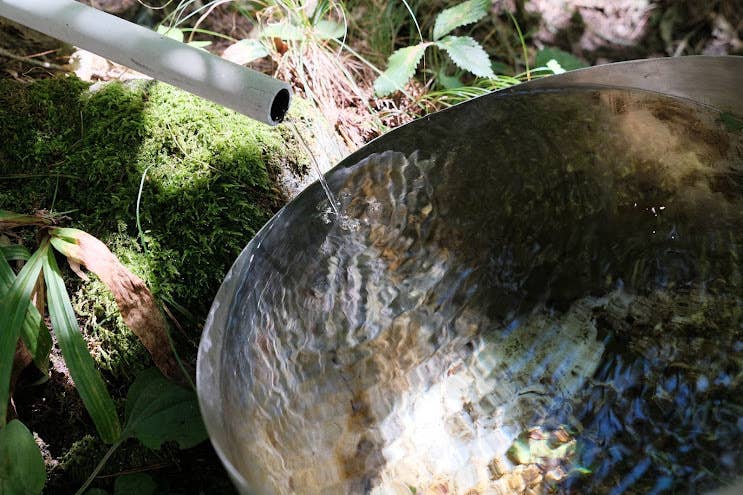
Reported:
(541, 294)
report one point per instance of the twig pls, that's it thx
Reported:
(30, 61)
(142, 469)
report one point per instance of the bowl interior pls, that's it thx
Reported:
(525, 291)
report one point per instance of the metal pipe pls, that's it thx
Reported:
(249, 92)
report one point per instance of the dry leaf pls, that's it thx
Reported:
(136, 304)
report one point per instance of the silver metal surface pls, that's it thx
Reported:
(548, 269)
(713, 81)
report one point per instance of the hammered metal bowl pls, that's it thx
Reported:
(535, 290)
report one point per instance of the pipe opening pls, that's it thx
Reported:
(280, 105)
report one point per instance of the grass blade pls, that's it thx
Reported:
(34, 333)
(87, 380)
(9, 219)
(15, 253)
(13, 310)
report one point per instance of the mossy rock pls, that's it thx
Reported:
(212, 178)
(209, 178)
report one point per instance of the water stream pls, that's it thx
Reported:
(543, 295)
(332, 201)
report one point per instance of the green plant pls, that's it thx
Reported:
(21, 464)
(157, 411)
(557, 61)
(464, 51)
(19, 318)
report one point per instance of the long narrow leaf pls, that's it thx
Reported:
(13, 310)
(10, 219)
(34, 333)
(15, 253)
(87, 380)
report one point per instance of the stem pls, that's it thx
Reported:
(139, 200)
(523, 46)
(30, 61)
(99, 467)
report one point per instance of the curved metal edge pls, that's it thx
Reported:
(716, 81)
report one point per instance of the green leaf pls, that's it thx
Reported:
(21, 465)
(731, 122)
(400, 68)
(170, 32)
(15, 252)
(565, 60)
(158, 411)
(13, 309)
(82, 369)
(284, 30)
(245, 51)
(34, 333)
(500, 68)
(326, 30)
(199, 44)
(460, 15)
(448, 82)
(96, 491)
(467, 54)
(135, 484)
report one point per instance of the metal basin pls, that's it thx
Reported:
(535, 290)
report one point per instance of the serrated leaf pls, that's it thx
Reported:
(158, 411)
(460, 15)
(88, 381)
(135, 484)
(284, 30)
(566, 61)
(401, 67)
(245, 51)
(325, 30)
(467, 54)
(34, 333)
(21, 465)
(13, 309)
(170, 32)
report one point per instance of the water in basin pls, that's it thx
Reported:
(540, 294)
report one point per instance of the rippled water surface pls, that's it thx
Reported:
(537, 294)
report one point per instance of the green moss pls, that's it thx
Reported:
(208, 189)
(77, 463)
